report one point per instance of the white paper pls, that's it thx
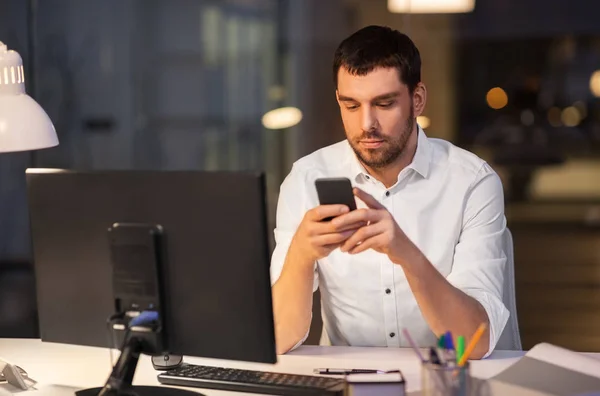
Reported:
(566, 358)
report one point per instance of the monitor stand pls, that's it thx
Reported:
(120, 381)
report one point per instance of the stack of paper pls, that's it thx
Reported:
(547, 370)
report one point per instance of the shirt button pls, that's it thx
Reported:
(387, 193)
(392, 335)
(387, 291)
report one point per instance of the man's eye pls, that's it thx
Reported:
(352, 107)
(385, 104)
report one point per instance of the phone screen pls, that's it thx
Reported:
(334, 191)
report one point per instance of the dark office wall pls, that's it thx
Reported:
(164, 84)
(18, 315)
(529, 18)
(315, 30)
(150, 84)
(13, 209)
(136, 84)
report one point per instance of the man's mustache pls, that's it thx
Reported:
(371, 136)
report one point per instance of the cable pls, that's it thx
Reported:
(130, 348)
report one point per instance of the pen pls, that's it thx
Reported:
(448, 344)
(441, 342)
(412, 344)
(334, 371)
(449, 352)
(474, 340)
(460, 347)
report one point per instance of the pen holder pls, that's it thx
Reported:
(445, 380)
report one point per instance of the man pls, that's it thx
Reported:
(424, 251)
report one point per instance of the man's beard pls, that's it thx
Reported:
(389, 151)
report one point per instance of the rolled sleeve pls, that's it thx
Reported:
(496, 312)
(479, 258)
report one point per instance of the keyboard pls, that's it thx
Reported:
(251, 381)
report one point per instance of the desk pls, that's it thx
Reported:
(84, 367)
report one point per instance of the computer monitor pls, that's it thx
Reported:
(214, 256)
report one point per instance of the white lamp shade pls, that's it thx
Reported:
(24, 125)
(431, 6)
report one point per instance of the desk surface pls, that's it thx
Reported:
(83, 367)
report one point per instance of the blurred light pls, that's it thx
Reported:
(45, 170)
(430, 6)
(570, 116)
(595, 83)
(284, 117)
(496, 98)
(423, 121)
(527, 117)
(582, 107)
(212, 40)
(554, 117)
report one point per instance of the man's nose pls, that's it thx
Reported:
(368, 119)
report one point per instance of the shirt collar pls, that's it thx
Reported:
(357, 169)
(420, 162)
(422, 158)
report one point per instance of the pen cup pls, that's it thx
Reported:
(441, 380)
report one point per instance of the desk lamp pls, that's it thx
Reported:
(24, 125)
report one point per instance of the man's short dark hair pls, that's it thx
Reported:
(379, 46)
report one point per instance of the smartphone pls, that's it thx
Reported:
(135, 250)
(334, 191)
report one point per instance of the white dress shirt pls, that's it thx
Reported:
(448, 201)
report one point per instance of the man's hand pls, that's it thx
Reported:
(293, 291)
(444, 307)
(316, 238)
(381, 232)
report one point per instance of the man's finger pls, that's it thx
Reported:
(321, 227)
(367, 244)
(346, 227)
(332, 239)
(324, 211)
(327, 249)
(356, 216)
(367, 199)
(361, 236)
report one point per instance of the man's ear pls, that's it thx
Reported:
(419, 99)
(337, 98)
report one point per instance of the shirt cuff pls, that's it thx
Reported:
(496, 312)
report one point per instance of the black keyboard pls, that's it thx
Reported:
(251, 381)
